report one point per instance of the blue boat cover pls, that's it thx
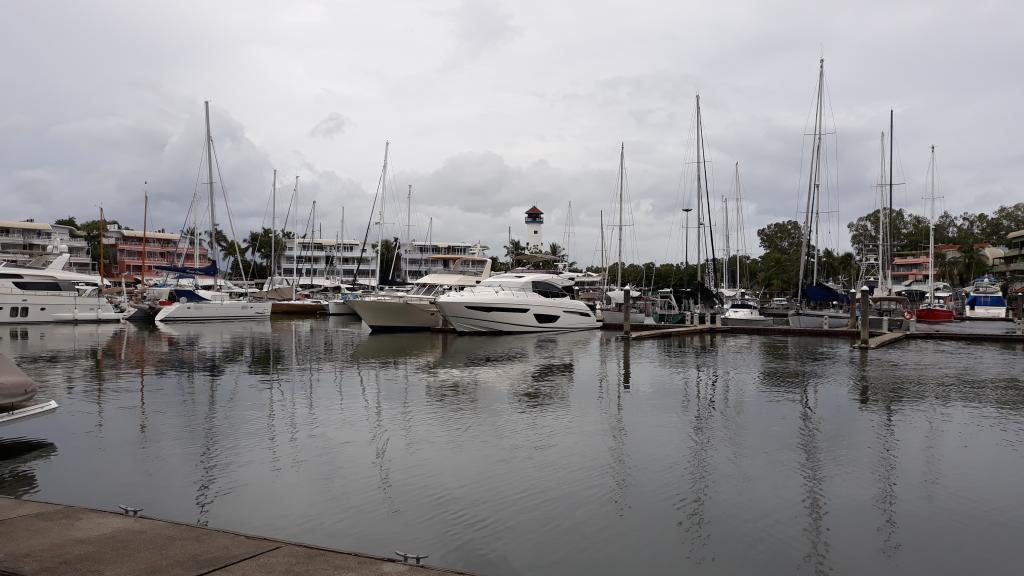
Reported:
(822, 293)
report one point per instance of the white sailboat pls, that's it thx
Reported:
(805, 317)
(210, 304)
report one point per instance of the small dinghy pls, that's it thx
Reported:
(17, 391)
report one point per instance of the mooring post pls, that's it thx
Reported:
(626, 305)
(865, 306)
(1020, 314)
(852, 322)
(885, 323)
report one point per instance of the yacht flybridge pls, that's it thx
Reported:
(417, 309)
(517, 302)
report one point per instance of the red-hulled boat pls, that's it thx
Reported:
(934, 313)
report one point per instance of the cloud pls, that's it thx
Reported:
(331, 126)
(481, 27)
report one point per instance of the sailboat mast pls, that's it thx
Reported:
(408, 232)
(604, 269)
(739, 226)
(710, 242)
(622, 177)
(273, 230)
(700, 198)
(931, 235)
(209, 172)
(888, 265)
(298, 241)
(882, 277)
(383, 198)
(145, 220)
(728, 249)
(103, 224)
(811, 185)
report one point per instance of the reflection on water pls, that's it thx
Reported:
(538, 454)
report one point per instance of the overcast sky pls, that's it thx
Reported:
(493, 106)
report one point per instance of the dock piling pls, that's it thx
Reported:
(865, 306)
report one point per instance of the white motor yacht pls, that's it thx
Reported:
(416, 310)
(744, 310)
(517, 302)
(29, 296)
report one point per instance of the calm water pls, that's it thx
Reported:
(540, 454)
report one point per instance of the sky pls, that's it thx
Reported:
(491, 107)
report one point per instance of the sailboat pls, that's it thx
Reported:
(934, 310)
(613, 311)
(805, 317)
(201, 304)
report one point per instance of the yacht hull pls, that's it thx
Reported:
(812, 319)
(226, 310)
(751, 321)
(985, 312)
(502, 315)
(405, 315)
(41, 308)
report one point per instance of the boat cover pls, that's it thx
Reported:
(208, 270)
(16, 388)
(822, 293)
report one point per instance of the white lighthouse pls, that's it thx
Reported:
(534, 223)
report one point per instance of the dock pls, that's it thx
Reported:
(876, 342)
(42, 538)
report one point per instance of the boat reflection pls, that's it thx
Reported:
(18, 460)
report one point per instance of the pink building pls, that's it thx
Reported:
(911, 268)
(162, 249)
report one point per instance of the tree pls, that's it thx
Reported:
(513, 251)
(387, 255)
(69, 221)
(783, 237)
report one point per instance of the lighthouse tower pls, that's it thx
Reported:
(534, 223)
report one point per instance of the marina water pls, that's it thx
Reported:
(539, 454)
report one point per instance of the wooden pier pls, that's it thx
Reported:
(40, 538)
(881, 340)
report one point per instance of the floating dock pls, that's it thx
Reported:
(881, 340)
(40, 538)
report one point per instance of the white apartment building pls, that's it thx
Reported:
(323, 261)
(21, 242)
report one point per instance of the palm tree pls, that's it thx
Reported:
(514, 250)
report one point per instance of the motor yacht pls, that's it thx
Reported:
(30, 296)
(416, 310)
(517, 302)
(984, 299)
(744, 310)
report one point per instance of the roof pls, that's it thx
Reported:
(534, 210)
(149, 235)
(24, 225)
(1016, 234)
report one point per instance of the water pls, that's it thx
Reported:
(540, 454)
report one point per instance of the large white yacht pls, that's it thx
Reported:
(517, 302)
(417, 309)
(29, 295)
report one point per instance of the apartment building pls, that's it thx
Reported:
(23, 241)
(124, 252)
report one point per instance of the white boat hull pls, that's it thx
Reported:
(754, 321)
(811, 319)
(28, 411)
(396, 315)
(226, 310)
(985, 312)
(54, 307)
(499, 315)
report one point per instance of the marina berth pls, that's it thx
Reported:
(744, 310)
(517, 302)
